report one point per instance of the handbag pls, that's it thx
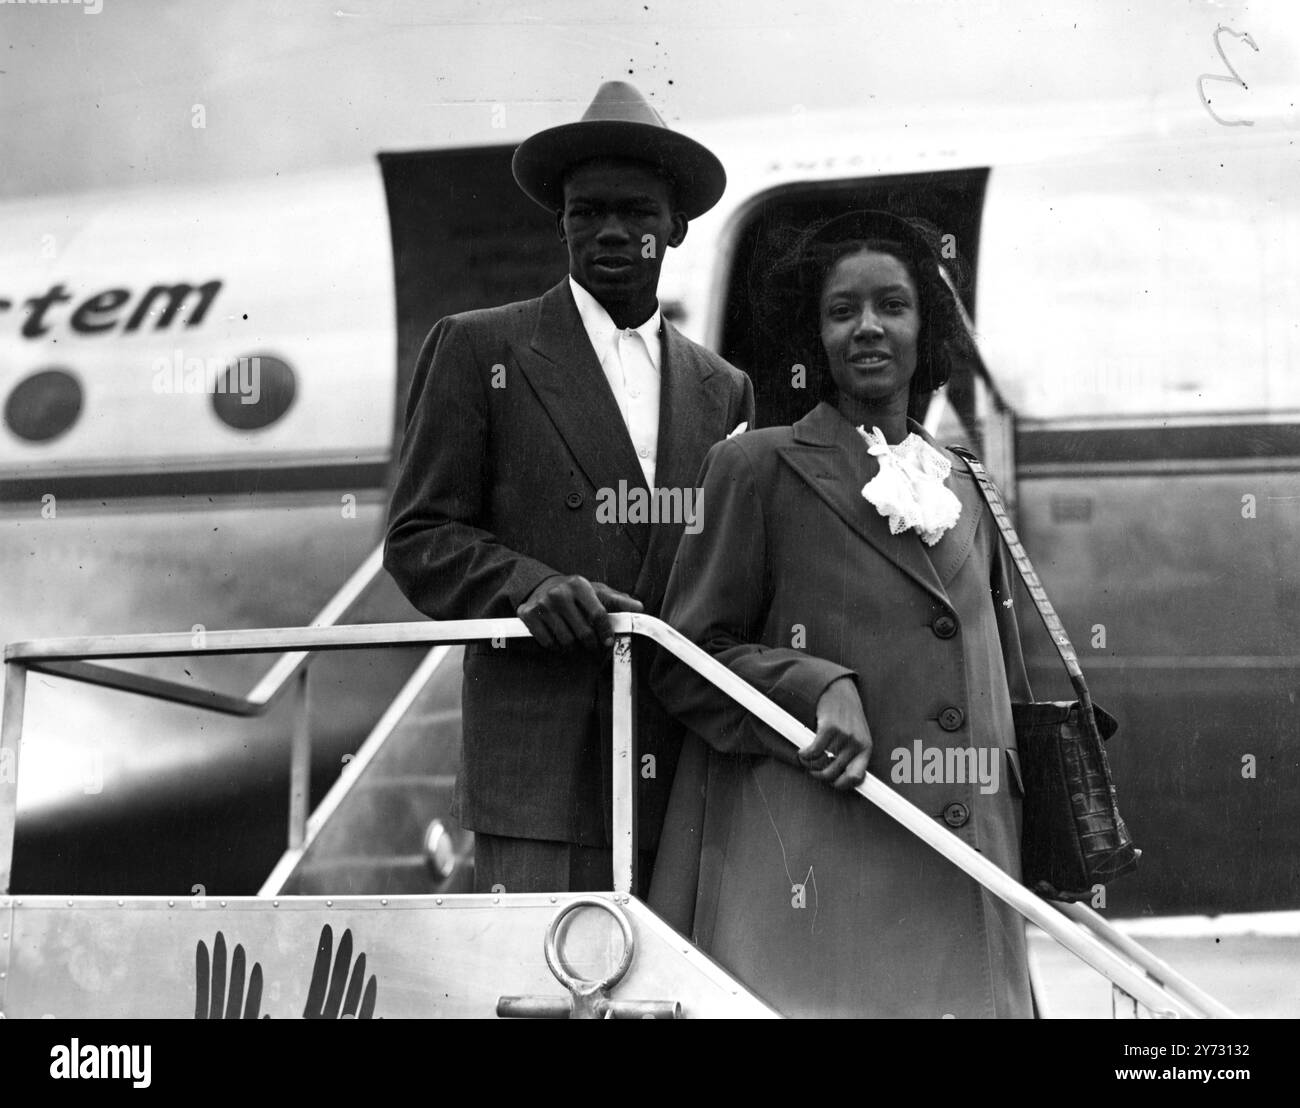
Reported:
(1074, 837)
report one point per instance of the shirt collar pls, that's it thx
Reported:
(601, 329)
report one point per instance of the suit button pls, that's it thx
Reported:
(956, 814)
(951, 718)
(573, 500)
(944, 626)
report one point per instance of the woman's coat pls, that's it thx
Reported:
(817, 899)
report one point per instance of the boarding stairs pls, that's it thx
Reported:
(372, 867)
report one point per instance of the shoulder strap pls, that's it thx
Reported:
(1036, 591)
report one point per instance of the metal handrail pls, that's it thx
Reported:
(1077, 932)
(1146, 982)
(289, 670)
(265, 694)
(1156, 967)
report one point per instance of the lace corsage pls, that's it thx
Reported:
(909, 489)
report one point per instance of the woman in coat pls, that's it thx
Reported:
(848, 569)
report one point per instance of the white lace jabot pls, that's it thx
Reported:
(909, 489)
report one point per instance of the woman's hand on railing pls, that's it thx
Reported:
(843, 737)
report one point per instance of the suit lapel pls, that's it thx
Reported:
(830, 456)
(691, 411)
(563, 371)
(949, 554)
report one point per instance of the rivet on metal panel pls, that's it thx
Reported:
(120, 903)
(496, 900)
(384, 901)
(554, 900)
(69, 904)
(329, 904)
(171, 904)
(438, 901)
(223, 903)
(275, 904)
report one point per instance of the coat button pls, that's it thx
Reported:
(944, 626)
(573, 500)
(956, 814)
(951, 718)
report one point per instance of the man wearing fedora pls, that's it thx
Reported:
(521, 423)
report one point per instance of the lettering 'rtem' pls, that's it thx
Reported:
(103, 311)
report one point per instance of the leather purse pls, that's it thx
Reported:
(1074, 837)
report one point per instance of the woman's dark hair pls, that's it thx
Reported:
(787, 286)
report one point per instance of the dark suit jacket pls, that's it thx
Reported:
(511, 431)
(794, 582)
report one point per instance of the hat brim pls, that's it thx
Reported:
(541, 161)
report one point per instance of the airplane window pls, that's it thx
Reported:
(255, 391)
(44, 405)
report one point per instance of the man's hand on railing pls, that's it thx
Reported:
(567, 610)
(843, 737)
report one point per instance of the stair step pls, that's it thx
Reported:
(384, 821)
(376, 877)
(415, 747)
(424, 780)
(373, 841)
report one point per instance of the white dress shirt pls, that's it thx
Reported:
(629, 357)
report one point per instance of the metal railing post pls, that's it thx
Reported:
(11, 734)
(300, 761)
(1155, 967)
(624, 767)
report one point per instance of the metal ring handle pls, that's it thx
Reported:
(581, 984)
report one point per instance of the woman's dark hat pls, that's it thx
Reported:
(619, 124)
(784, 275)
(872, 223)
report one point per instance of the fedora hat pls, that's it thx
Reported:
(619, 124)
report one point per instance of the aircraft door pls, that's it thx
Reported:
(464, 236)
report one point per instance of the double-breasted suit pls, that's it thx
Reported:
(512, 432)
(816, 898)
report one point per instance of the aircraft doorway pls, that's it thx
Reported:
(464, 236)
(952, 201)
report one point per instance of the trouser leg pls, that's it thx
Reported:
(503, 864)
